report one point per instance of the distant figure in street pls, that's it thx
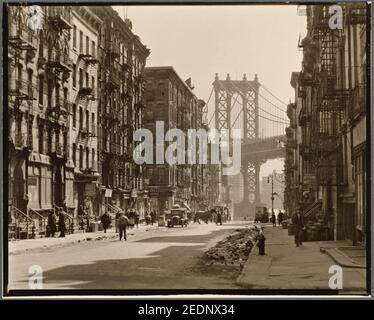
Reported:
(52, 224)
(118, 214)
(298, 223)
(273, 219)
(153, 217)
(105, 220)
(80, 216)
(219, 218)
(64, 205)
(123, 222)
(147, 218)
(280, 217)
(61, 223)
(137, 217)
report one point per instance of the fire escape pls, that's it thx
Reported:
(330, 102)
(59, 65)
(22, 45)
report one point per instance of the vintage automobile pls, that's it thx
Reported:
(177, 217)
(261, 214)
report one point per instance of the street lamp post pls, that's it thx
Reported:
(272, 192)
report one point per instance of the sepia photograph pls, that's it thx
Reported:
(186, 149)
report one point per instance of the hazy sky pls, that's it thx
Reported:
(199, 41)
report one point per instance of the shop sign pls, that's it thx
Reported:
(108, 193)
(153, 192)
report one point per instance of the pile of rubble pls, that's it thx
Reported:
(235, 247)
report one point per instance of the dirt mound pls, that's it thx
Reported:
(235, 247)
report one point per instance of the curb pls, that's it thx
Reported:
(341, 259)
(65, 244)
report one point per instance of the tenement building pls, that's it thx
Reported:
(122, 59)
(82, 177)
(171, 100)
(75, 96)
(38, 110)
(326, 149)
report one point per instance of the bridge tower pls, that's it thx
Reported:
(248, 91)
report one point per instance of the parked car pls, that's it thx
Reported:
(177, 217)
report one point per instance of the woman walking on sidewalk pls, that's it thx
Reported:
(298, 222)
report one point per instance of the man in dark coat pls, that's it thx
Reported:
(273, 219)
(298, 223)
(137, 217)
(153, 217)
(105, 220)
(52, 224)
(219, 218)
(280, 217)
(61, 223)
(123, 222)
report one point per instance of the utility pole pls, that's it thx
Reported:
(272, 191)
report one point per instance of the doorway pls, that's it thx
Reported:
(19, 189)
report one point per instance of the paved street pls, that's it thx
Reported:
(161, 258)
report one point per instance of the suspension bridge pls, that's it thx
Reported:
(262, 118)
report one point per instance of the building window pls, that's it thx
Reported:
(93, 159)
(50, 93)
(80, 157)
(74, 75)
(80, 41)
(87, 45)
(93, 82)
(41, 89)
(41, 43)
(87, 79)
(93, 123)
(75, 154)
(80, 118)
(80, 78)
(75, 37)
(93, 49)
(87, 120)
(74, 115)
(87, 158)
(41, 138)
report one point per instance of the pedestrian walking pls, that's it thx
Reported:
(105, 220)
(219, 218)
(299, 227)
(61, 223)
(118, 214)
(273, 219)
(137, 217)
(123, 222)
(52, 224)
(64, 205)
(147, 218)
(81, 216)
(153, 217)
(280, 217)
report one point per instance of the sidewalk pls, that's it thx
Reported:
(286, 266)
(21, 246)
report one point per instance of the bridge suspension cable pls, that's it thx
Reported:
(274, 96)
(260, 95)
(283, 119)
